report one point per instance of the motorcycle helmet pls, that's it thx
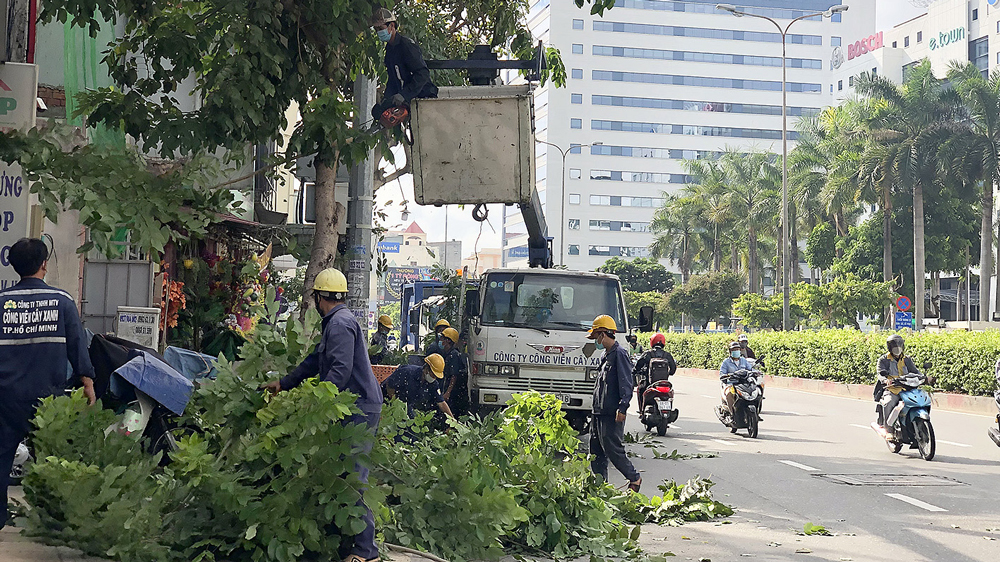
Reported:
(658, 340)
(895, 345)
(743, 339)
(734, 346)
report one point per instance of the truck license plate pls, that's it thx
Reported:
(564, 398)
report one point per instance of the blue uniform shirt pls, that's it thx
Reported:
(730, 366)
(341, 357)
(39, 331)
(408, 383)
(613, 390)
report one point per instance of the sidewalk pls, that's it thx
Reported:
(14, 547)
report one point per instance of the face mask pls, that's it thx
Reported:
(599, 342)
(429, 379)
(384, 35)
(897, 351)
(734, 354)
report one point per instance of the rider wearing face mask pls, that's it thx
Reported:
(735, 362)
(408, 74)
(891, 365)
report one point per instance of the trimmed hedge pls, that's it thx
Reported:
(962, 361)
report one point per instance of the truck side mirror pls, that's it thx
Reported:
(645, 323)
(415, 321)
(472, 303)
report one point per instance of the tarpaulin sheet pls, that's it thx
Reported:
(158, 380)
(191, 364)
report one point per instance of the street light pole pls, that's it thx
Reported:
(562, 193)
(786, 317)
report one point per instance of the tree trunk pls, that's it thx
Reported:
(329, 213)
(779, 271)
(752, 265)
(794, 236)
(887, 247)
(716, 251)
(918, 254)
(986, 251)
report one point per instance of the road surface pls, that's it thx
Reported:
(944, 510)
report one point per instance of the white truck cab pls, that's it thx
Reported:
(529, 332)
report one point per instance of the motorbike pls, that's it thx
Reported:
(146, 390)
(994, 431)
(657, 399)
(909, 423)
(746, 383)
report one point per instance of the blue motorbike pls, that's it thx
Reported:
(909, 423)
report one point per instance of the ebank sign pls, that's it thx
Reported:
(948, 37)
(866, 45)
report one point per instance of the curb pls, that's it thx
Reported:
(979, 405)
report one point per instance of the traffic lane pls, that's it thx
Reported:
(813, 431)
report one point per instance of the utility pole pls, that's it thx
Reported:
(360, 197)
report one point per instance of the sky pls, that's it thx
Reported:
(460, 224)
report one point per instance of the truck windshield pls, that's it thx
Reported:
(548, 301)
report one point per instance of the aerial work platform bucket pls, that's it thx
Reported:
(474, 145)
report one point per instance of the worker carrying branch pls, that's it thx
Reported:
(408, 74)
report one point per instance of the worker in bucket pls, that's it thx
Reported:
(408, 74)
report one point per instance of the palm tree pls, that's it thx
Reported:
(906, 126)
(824, 165)
(980, 156)
(753, 180)
(676, 226)
(710, 189)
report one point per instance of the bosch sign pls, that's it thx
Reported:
(866, 45)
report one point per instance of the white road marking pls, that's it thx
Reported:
(707, 396)
(859, 425)
(916, 502)
(953, 443)
(805, 467)
(674, 427)
(723, 442)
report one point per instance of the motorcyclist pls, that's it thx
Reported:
(633, 342)
(735, 362)
(379, 343)
(892, 365)
(745, 349)
(658, 341)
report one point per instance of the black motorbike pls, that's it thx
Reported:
(995, 430)
(746, 409)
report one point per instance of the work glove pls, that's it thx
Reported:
(398, 100)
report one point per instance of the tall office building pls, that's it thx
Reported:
(651, 84)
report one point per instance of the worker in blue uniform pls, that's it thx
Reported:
(40, 331)
(341, 358)
(419, 386)
(408, 74)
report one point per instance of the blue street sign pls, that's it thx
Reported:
(904, 320)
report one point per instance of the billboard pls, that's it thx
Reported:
(396, 277)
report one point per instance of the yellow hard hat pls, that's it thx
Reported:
(450, 333)
(442, 322)
(436, 363)
(602, 323)
(385, 321)
(331, 281)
